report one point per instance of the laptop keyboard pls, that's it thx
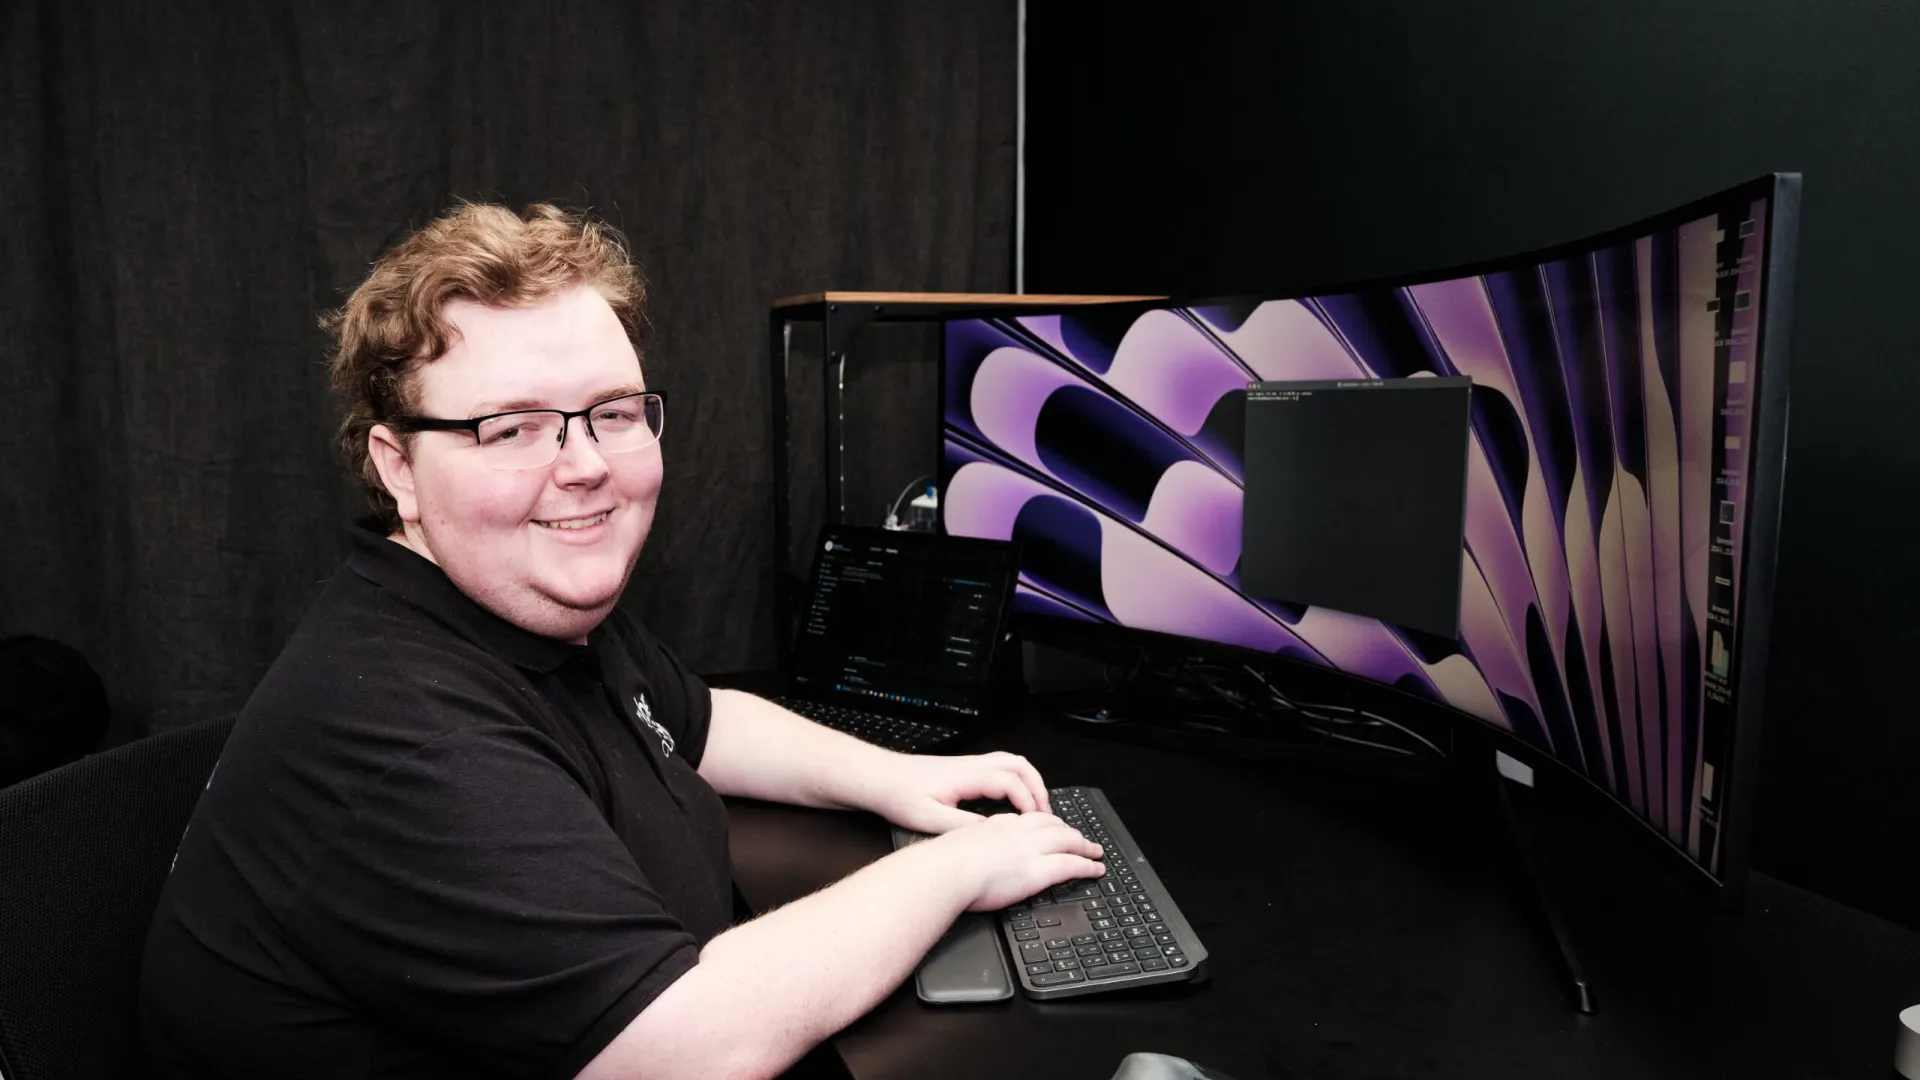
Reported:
(891, 732)
(1110, 933)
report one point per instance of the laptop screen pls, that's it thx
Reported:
(904, 619)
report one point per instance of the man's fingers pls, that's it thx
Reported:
(1031, 776)
(1040, 819)
(1014, 790)
(1058, 836)
(1000, 784)
(1072, 867)
(1078, 844)
(1028, 776)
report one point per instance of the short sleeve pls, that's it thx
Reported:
(479, 902)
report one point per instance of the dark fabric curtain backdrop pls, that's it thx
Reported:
(185, 186)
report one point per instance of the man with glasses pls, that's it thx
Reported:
(470, 822)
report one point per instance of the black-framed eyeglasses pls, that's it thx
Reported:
(532, 438)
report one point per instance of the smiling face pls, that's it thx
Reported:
(547, 549)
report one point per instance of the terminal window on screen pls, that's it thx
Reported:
(1356, 497)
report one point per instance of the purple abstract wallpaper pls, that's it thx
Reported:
(1605, 494)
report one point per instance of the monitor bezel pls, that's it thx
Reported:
(1766, 465)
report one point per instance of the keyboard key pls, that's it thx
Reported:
(1018, 911)
(1059, 954)
(1023, 924)
(1125, 930)
(1027, 935)
(1042, 969)
(1058, 943)
(1068, 964)
(1058, 978)
(1033, 952)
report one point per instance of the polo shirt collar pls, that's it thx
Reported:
(415, 579)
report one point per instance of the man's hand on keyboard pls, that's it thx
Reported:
(1009, 857)
(924, 793)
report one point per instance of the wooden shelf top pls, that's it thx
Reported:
(983, 299)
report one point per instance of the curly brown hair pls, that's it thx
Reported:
(394, 322)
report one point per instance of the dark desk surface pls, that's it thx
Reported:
(1371, 928)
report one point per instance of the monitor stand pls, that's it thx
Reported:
(1514, 802)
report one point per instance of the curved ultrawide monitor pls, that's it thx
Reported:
(1627, 428)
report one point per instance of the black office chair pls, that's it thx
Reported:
(84, 850)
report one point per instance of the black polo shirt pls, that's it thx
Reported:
(438, 845)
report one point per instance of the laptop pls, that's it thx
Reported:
(900, 635)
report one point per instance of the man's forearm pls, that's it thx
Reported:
(759, 750)
(768, 990)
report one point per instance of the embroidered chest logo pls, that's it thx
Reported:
(645, 713)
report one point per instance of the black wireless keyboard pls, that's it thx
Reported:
(891, 732)
(1110, 933)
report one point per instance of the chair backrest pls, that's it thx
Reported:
(84, 851)
(53, 707)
